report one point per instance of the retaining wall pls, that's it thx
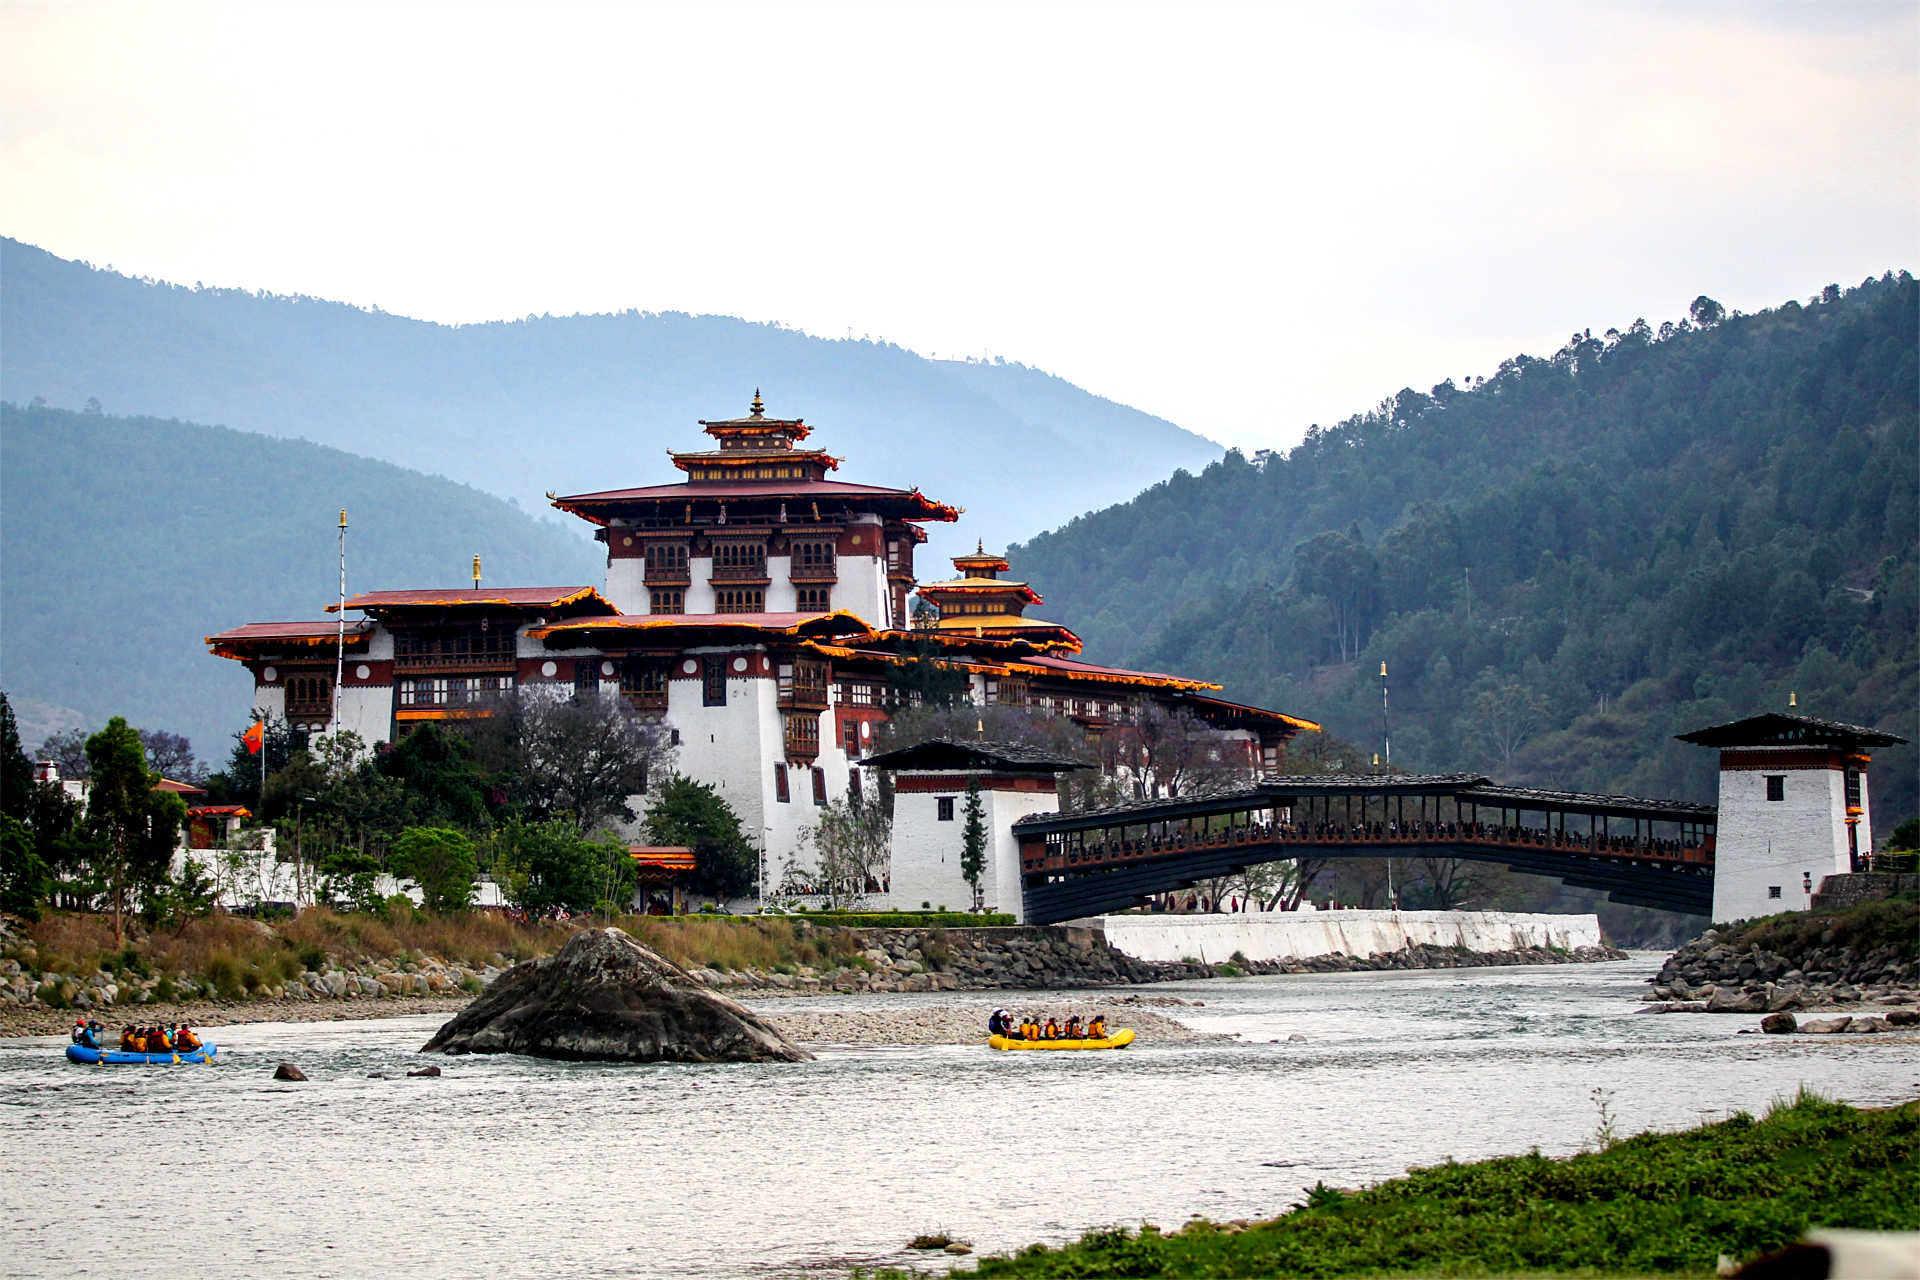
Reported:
(1298, 935)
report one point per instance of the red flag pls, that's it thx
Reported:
(255, 737)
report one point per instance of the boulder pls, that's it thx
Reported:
(1866, 1026)
(1902, 1017)
(1778, 1024)
(1824, 1026)
(425, 1071)
(605, 997)
(287, 1071)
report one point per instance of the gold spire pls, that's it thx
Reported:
(759, 409)
(1793, 699)
(476, 573)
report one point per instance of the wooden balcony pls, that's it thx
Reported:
(829, 572)
(749, 574)
(646, 701)
(668, 576)
(802, 737)
(804, 687)
(309, 708)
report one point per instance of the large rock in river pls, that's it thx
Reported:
(604, 997)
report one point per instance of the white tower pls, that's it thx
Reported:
(929, 818)
(1793, 809)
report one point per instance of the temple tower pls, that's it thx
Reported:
(1793, 809)
(929, 818)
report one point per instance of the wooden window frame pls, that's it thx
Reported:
(713, 680)
(782, 792)
(819, 787)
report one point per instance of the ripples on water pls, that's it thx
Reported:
(516, 1167)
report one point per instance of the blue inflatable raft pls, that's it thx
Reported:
(125, 1057)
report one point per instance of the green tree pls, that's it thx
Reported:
(130, 829)
(973, 840)
(692, 815)
(441, 861)
(25, 882)
(16, 771)
(540, 866)
(923, 678)
(443, 784)
(578, 757)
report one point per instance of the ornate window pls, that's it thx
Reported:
(946, 808)
(820, 787)
(740, 600)
(643, 683)
(310, 695)
(780, 791)
(811, 599)
(666, 599)
(713, 681)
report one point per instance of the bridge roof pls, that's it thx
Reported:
(1587, 802)
(1468, 788)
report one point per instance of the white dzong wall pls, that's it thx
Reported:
(926, 848)
(1770, 855)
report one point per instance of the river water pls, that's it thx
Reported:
(515, 1167)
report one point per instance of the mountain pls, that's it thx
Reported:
(574, 403)
(129, 540)
(1563, 564)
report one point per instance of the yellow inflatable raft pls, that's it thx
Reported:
(1118, 1040)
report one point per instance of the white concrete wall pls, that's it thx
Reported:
(1762, 844)
(862, 588)
(926, 851)
(366, 709)
(1298, 935)
(700, 588)
(626, 580)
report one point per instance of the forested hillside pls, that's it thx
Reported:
(1562, 564)
(572, 403)
(129, 540)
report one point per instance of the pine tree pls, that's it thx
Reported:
(973, 840)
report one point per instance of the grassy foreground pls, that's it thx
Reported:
(231, 958)
(1656, 1204)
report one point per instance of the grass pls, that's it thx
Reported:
(1869, 926)
(1655, 1204)
(237, 958)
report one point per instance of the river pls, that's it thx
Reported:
(514, 1167)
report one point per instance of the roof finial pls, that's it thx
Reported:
(979, 547)
(1793, 699)
(759, 409)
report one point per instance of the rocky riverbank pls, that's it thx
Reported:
(1864, 955)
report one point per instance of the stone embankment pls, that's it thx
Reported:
(1727, 973)
(369, 978)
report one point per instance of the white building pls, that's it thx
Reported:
(755, 607)
(1793, 809)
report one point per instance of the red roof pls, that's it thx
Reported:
(179, 788)
(1071, 666)
(324, 629)
(497, 597)
(838, 622)
(919, 506)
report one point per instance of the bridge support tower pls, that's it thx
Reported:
(1793, 809)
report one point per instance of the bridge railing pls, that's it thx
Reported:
(1063, 857)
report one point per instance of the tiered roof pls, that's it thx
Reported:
(755, 466)
(980, 602)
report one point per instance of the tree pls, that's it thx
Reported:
(1338, 567)
(923, 678)
(441, 862)
(973, 840)
(16, 771)
(852, 842)
(25, 882)
(1706, 312)
(130, 829)
(1163, 754)
(578, 757)
(541, 866)
(171, 755)
(443, 784)
(68, 752)
(692, 815)
(1502, 716)
(240, 781)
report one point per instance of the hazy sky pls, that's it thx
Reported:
(1246, 219)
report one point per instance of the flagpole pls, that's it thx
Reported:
(340, 650)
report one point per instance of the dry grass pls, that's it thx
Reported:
(240, 957)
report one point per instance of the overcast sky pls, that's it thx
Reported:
(1246, 219)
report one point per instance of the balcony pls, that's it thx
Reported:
(805, 688)
(661, 575)
(309, 708)
(646, 701)
(751, 574)
(802, 737)
(828, 572)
